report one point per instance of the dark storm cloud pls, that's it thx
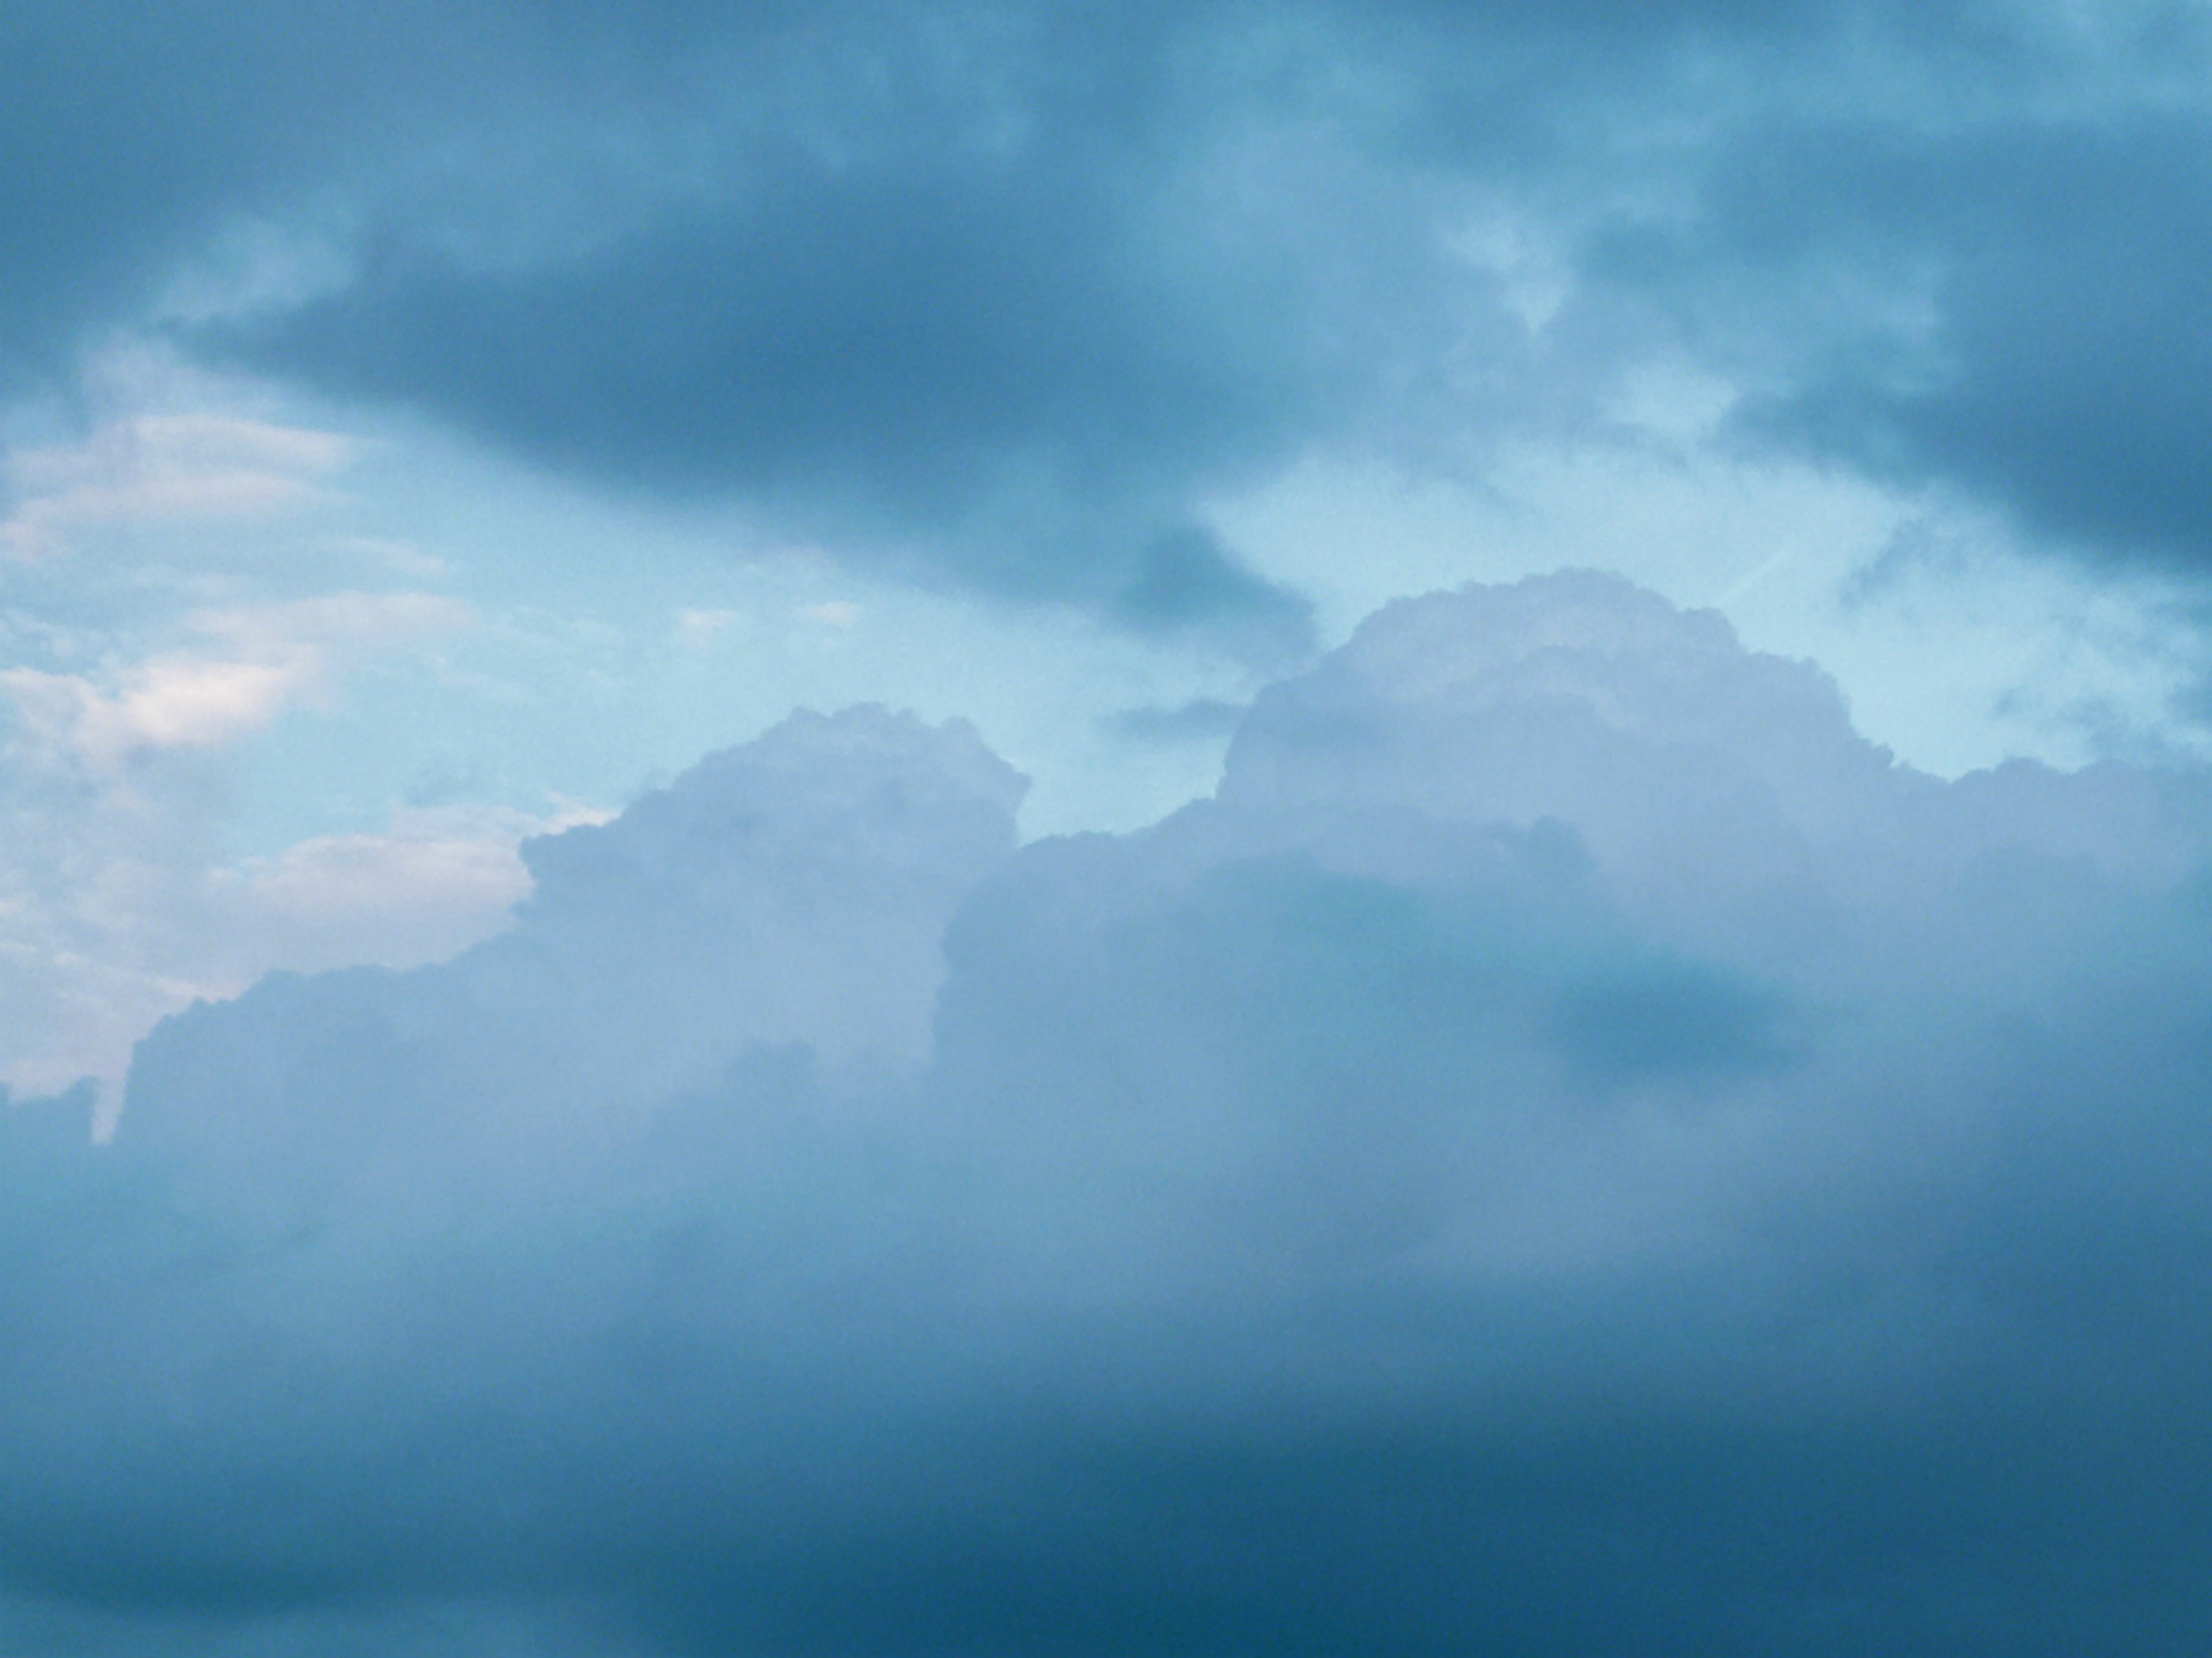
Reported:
(1572, 1150)
(117, 154)
(132, 135)
(999, 294)
(996, 293)
(2029, 325)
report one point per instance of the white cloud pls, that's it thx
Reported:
(434, 882)
(152, 468)
(165, 704)
(140, 915)
(275, 654)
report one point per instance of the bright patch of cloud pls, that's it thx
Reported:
(433, 882)
(279, 652)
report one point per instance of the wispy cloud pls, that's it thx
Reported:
(156, 469)
(264, 660)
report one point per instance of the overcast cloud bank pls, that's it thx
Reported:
(1569, 1150)
(1001, 296)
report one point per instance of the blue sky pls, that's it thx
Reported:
(1286, 955)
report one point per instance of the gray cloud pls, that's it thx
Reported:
(998, 296)
(991, 296)
(1569, 1150)
(2029, 326)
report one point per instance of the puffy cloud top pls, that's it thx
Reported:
(1571, 1150)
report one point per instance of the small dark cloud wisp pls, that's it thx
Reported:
(1203, 718)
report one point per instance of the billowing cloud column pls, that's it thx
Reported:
(1570, 1151)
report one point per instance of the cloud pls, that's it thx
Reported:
(972, 338)
(431, 883)
(2016, 315)
(1570, 1149)
(173, 704)
(119, 903)
(162, 467)
(1001, 297)
(993, 297)
(279, 652)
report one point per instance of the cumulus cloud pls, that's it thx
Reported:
(1570, 1149)
(173, 597)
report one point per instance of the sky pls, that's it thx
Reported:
(1026, 829)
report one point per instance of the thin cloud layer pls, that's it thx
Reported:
(1571, 1150)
